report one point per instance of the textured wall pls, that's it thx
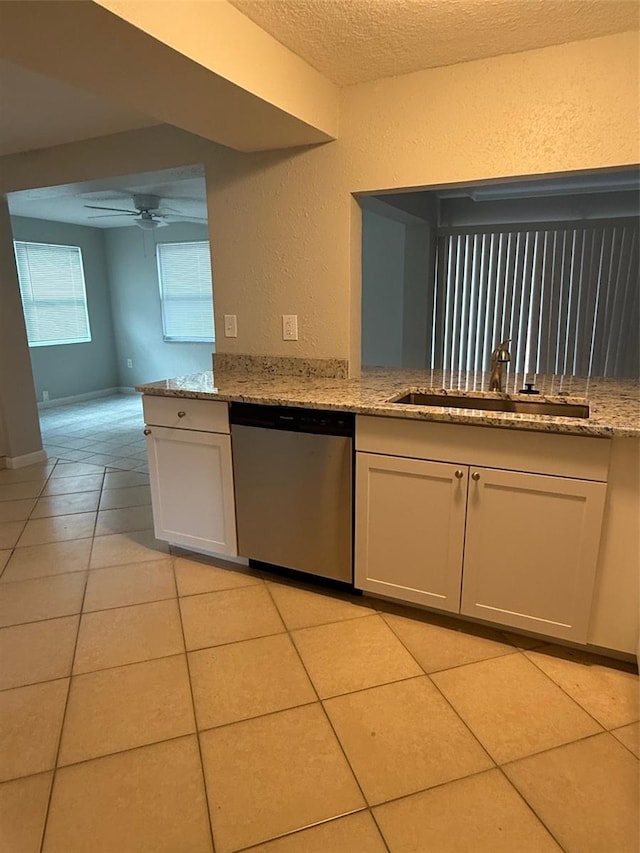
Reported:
(284, 222)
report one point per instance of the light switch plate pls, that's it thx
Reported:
(230, 326)
(289, 327)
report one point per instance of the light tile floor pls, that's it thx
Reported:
(103, 431)
(151, 700)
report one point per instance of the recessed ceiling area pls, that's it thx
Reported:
(181, 192)
(353, 41)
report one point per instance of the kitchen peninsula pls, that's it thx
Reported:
(524, 520)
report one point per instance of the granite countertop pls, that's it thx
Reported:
(614, 405)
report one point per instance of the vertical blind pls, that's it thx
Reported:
(565, 293)
(53, 293)
(186, 291)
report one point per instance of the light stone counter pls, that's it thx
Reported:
(614, 405)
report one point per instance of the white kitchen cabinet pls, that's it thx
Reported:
(531, 549)
(191, 474)
(410, 529)
(515, 547)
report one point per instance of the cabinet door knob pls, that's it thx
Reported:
(475, 476)
(147, 432)
(459, 474)
(181, 414)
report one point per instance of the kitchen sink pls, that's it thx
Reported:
(558, 409)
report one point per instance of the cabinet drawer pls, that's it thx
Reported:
(182, 413)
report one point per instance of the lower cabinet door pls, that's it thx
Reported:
(192, 489)
(531, 550)
(410, 529)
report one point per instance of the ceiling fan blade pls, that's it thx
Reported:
(184, 217)
(107, 215)
(118, 209)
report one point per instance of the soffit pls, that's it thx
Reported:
(353, 41)
(38, 112)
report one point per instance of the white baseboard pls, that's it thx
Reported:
(26, 459)
(79, 398)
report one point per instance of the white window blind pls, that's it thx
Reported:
(186, 291)
(53, 293)
(565, 293)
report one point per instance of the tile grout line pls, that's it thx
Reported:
(193, 708)
(64, 712)
(328, 719)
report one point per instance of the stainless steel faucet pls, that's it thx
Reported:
(499, 357)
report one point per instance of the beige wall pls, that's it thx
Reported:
(281, 222)
(284, 227)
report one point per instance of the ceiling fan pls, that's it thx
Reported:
(148, 213)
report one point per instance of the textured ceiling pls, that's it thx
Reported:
(351, 41)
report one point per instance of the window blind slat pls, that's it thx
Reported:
(567, 296)
(52, 289)
(186, 291)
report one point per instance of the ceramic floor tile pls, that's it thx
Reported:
(610, 695)
(23, 808)
(123, 479)
(586, 793)
(36, 561)
(195, 575)
(41, 598)
(630, 737)
(441, 646)
(129, 496)
(121, 548)
(352, 655)
(10, 533)
(356, 833)
(303, 608)
(60, 528)
(16, 510)
(68, 504)
(21, 491)
(482, 813)
(408, 729)
(69, 485)
(150, 799)
(4, 559)
(135, 583)
(40, 651)
(30, 723)
(512, 707)
(128, 635)
(261, 783)
(215, 618)
(76, 469)
(28, 474)
(125, 707)
(124, 520)
(247, 679)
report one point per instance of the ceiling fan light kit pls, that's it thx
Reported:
(148, 213)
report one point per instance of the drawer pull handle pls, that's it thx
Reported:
(459, 474)
(147, 432)
(475, 476)
(181, 414)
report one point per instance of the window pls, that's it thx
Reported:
(566, 294)
(53, 294)
(186, 291)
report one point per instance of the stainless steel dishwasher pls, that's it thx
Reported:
(293, 487)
